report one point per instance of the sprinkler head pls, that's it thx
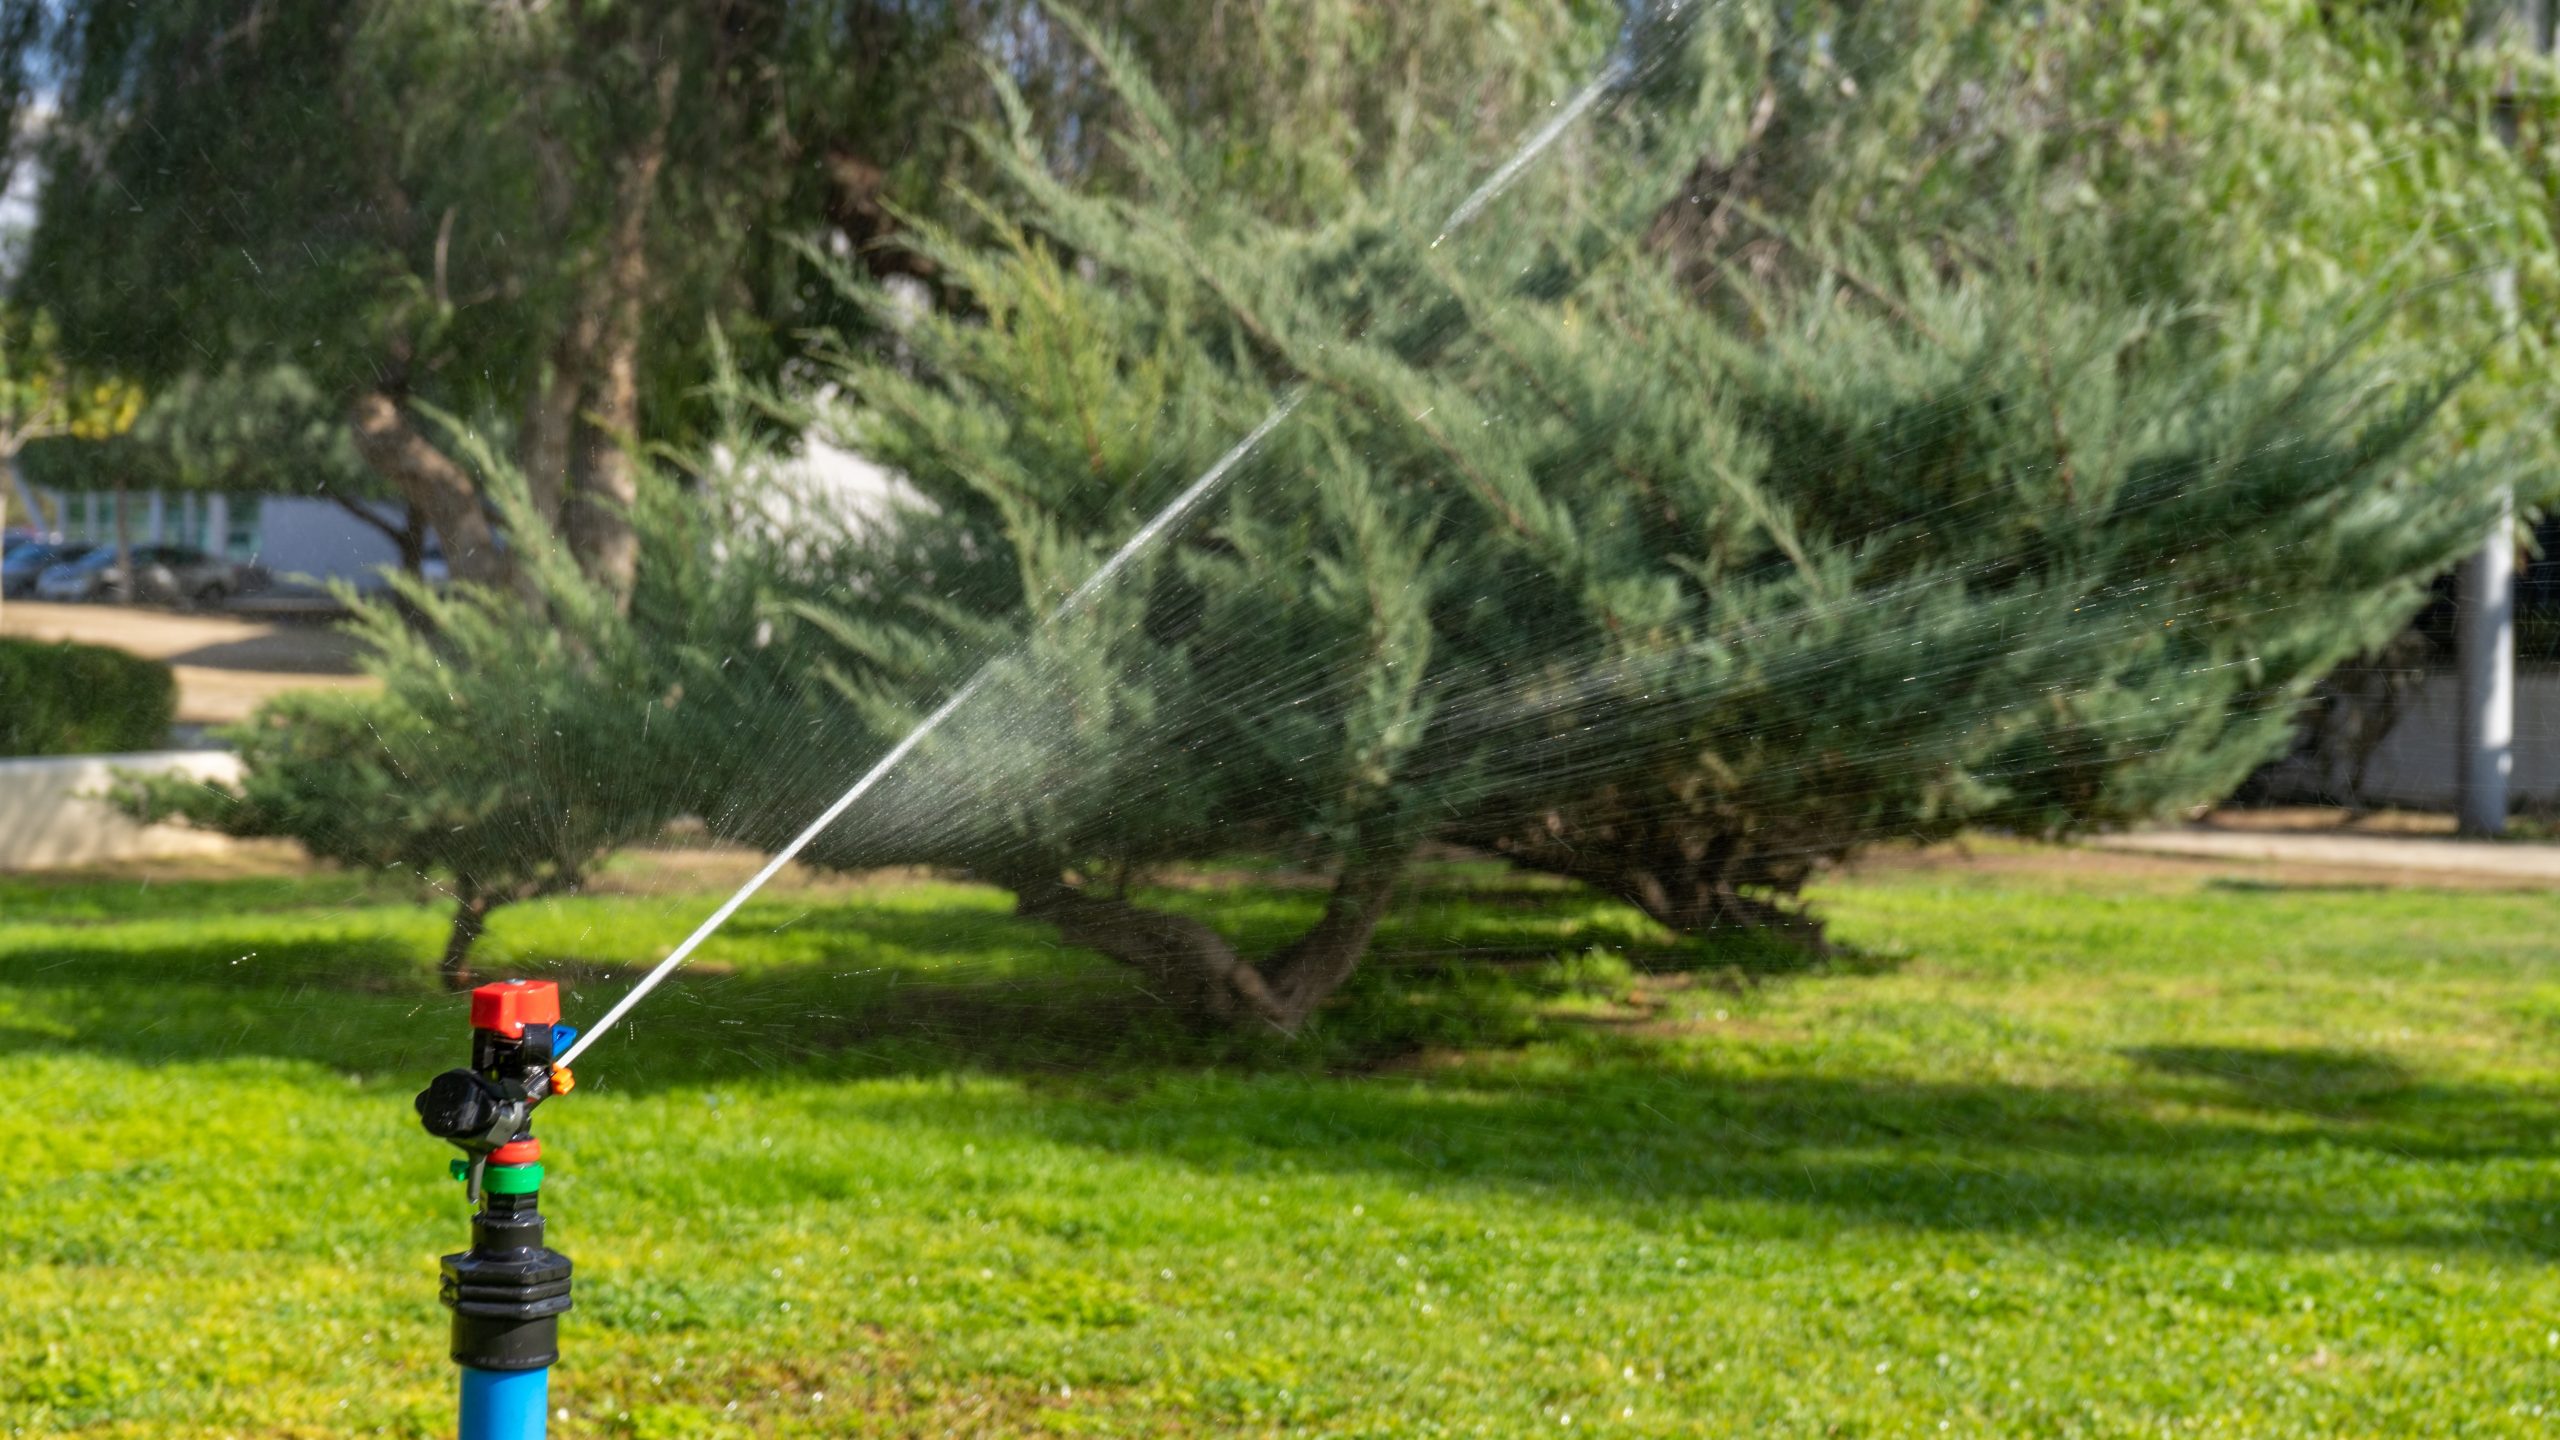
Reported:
(509, 1290)
(486, 1108)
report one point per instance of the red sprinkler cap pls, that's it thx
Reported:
(510, 1005)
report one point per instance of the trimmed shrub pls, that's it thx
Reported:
(520, 735)
(1547, 551)
(66, 699)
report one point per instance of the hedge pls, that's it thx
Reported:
(66, 699)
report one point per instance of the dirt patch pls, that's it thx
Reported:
(693, 868)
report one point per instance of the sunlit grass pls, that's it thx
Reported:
(2047, 1154)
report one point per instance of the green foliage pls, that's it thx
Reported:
(1677, 593)
(1304, 105)
(273, 431)
(176, 262)
(1604, 533)
(490, 210)
(2105, 1142)
(2269, 161)
(517, 740)
(45, 398)
(66, 699)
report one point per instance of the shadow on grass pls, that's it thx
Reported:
(2243, 885)
(2308, 1078)
(1948, 1157)
(1615, 1121)
(366, 1004)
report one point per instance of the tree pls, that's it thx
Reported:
(513, 745)
(469, 208)
(1671, 550)
(525, 213)
(42, 397)
(1677, 594)
(245, 433)
(390, 209)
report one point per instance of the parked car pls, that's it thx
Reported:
(169, 575)
(26, 561)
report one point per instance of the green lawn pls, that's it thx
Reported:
(2065, 1154)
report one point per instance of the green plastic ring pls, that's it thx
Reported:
(511, 1179)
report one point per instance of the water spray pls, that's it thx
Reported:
(509, 1290)
(1643, 17)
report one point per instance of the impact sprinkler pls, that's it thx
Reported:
(506, 1292)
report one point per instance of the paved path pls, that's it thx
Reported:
(2499, 858)
(225, 666)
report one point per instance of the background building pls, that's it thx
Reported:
(302, 541)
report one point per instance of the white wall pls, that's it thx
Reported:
(300, 536)
(293, 534)
(2414, 764)
(50, 818)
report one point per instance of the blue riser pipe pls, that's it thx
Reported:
(504, 1404)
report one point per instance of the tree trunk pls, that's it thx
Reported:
(550, 421)
(604, 466)
(412, 541)
(1686, 875)
(1304, 975)
(432, 485)
(1194, 969)
(124, 547)
(470, 917)
(1190, 966)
